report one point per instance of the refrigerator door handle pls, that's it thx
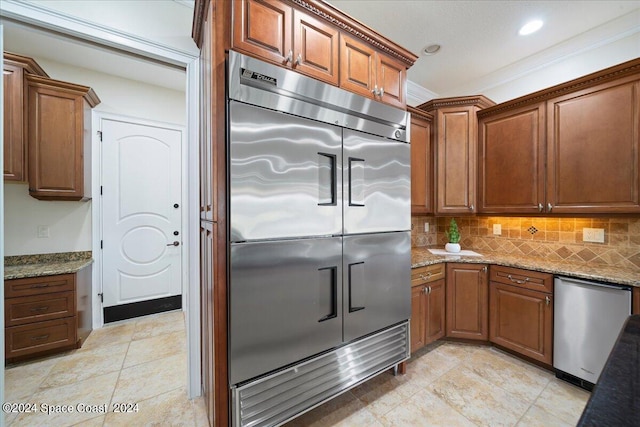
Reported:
(327, 179)
(356, 173)
(350, 279)
(334, 293)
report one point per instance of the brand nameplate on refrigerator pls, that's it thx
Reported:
(248, 74)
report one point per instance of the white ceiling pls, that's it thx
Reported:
(479, 39)
(480, 45)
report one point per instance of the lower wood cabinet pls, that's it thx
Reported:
(46, 314)
(521, 312)
(636, 301)
(467, 301)
(427, 305)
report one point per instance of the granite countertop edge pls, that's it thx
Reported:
(421, 257)
(50, 265)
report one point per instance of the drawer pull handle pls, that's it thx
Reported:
(41, 308)
(520, 282)
(40, 285)
(40, 337)
(425, 277)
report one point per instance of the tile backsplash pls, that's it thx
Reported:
(553, 238)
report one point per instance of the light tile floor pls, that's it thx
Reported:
(144, 361)
(451, 384)
(141, 361)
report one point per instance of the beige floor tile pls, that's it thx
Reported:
(109, 335)
(478, 400)
(330, 414)
(362, 417)
(563, 400)
(519, 379)
(150, 379)
(158, 324)
(382, 393)
(168, 409)
(21, 381)
(94, 391)
(538, 417)
(86, 364)
(200, 412)
(425, 409)
(153, 348)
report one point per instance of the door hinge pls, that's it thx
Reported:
(101, 242)
(101, 295)
(101, 190)
(100, 135)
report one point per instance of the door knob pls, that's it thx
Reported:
(176, 243)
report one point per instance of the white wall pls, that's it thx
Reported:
(70, 222)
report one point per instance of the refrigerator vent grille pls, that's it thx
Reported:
(279, 397)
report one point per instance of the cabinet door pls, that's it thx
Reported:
(511, 161)
(357, 66)
(55, 143)
(594, 150)
(467, 301)
(262, 28)
(456, 147)
(522, 320)
(315, 48)
(391, 80)
(435, 317)
(417, 317)
(14, 152)
(421, 166)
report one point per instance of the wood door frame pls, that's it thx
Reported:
(46, 19)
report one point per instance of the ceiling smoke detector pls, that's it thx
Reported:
(530, 27)
(431, 49)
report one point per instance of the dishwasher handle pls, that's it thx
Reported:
(597, 284)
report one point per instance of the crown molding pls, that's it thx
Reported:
(43, 17)
(417, 94)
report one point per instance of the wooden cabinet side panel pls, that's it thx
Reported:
(636, 300)
(14, 144)
(467, 301)
(417, 317)
(456, 158)
(522, 320)
(511, 162)
(421, 167)
(435, 327)
(391, 79)
(262, 28)
(357, 66)
(594, 150)
(317, 44)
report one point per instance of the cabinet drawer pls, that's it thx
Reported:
(40, 336)
(427, 274)
(22, 310)
(527, 279)
(39, 285)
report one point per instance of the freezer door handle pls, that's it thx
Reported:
(351, 279)
(356, 182)
(327, 180)
(334, 293)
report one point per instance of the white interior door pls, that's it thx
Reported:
(141, 212)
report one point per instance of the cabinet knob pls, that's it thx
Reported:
(547, 300)
(549, 207)
(375, 90)
(289, 57)
(381, 93)
(540, 207)
(472, 207)
(299, 59)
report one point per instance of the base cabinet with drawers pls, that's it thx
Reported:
(47, 314)
(521, 311)
(427, 305)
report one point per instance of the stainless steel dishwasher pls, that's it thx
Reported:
(588, 317)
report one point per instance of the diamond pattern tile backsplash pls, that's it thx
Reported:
(555, 238)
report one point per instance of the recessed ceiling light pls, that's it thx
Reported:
(431, 49)
(530, 27)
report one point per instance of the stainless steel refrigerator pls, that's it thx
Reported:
(319, 220)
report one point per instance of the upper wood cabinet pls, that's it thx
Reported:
(421, 162)
(467, 301)
(59, 139)
(571, 149)
(371, 74)
(455, 137)
(14, 68)
(307, 37)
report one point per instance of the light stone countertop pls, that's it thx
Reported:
(421, 257)
(23, 266)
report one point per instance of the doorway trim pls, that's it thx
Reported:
(44, 18)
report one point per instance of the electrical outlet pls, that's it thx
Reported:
(497, 229)
(595, 235)
(43, 232)
(426, 227)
